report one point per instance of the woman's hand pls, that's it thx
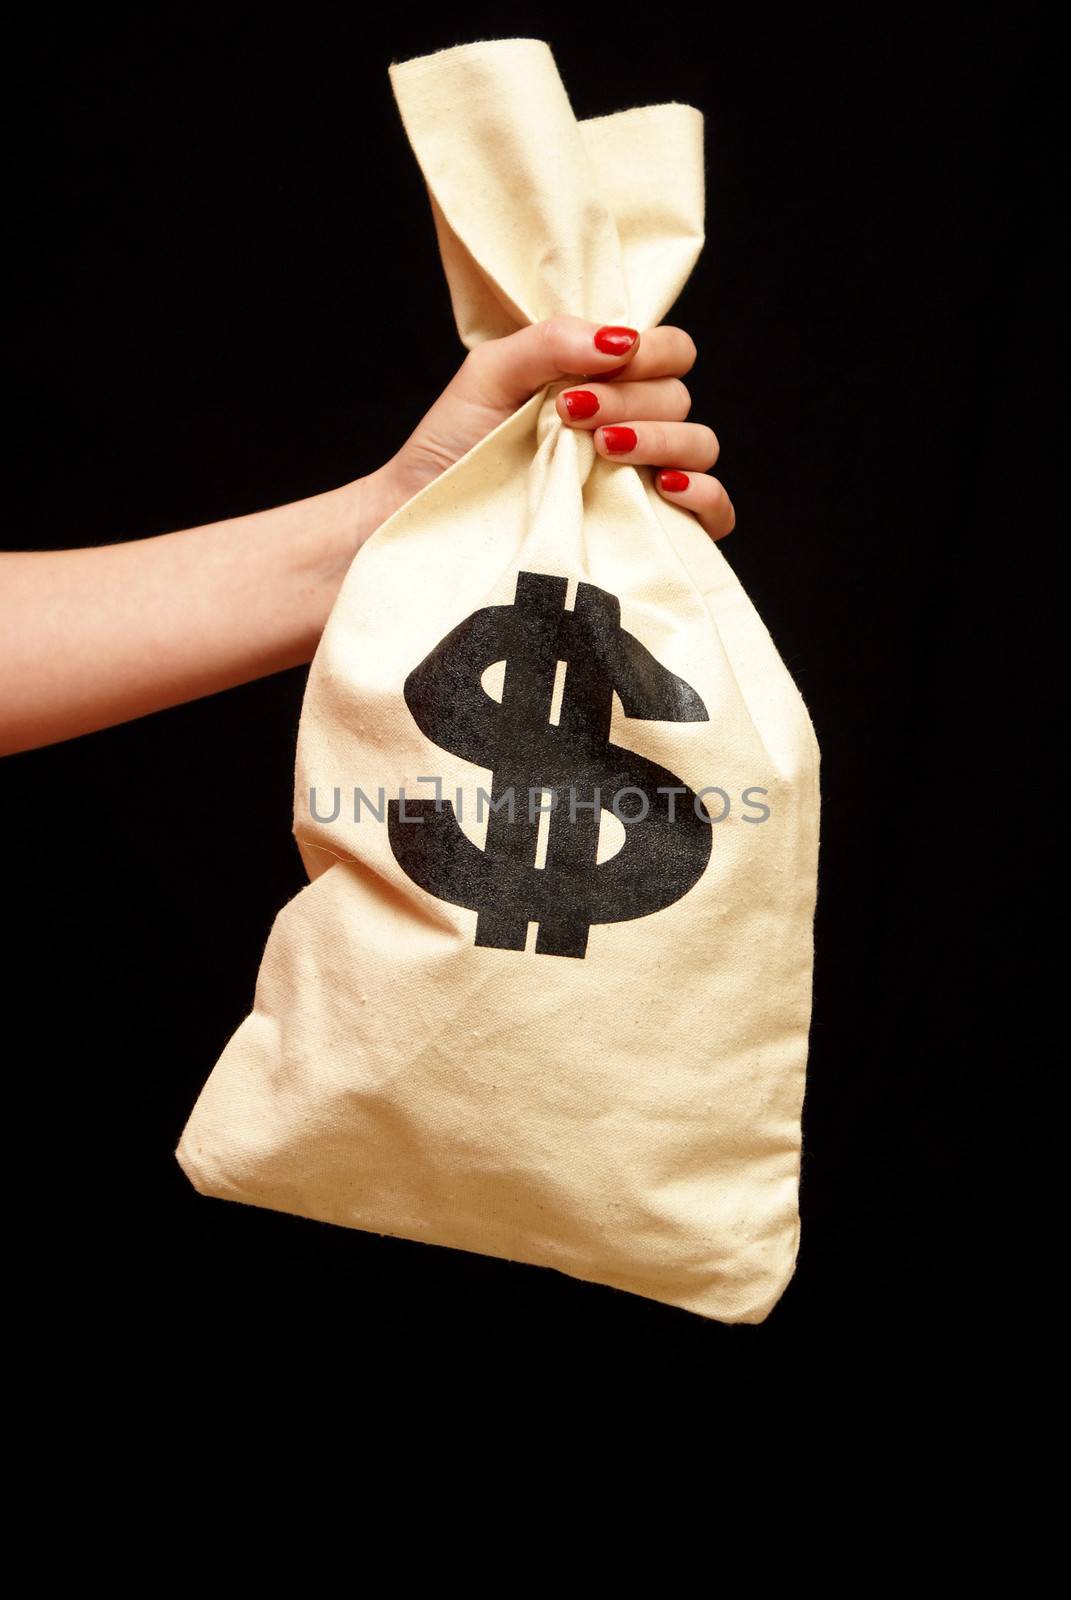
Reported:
(629, 396)
(92, 637)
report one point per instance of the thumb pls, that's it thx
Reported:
(507, 371)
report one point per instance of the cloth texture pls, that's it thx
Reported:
(578, 1042)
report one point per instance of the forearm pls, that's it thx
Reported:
(93, 637)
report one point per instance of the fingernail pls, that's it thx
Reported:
(580, 403)
(613, 341)
(619, 440)
(673, 480)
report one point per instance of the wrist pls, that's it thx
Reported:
(380, 494)
(342, 519)
(324, 534)
(358, 509)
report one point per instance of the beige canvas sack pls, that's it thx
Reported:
(574, 1037)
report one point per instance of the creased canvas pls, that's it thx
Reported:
(575, 1035)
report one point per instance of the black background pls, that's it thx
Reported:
(229, 297)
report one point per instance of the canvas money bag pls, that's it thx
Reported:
(547, 994)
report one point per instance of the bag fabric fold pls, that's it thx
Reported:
(572, 1030)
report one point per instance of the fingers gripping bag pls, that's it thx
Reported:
(547, 994)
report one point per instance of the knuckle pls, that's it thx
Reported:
(683, 397)
(722, 511)
(687, 351)
(485, 369)
(554, 336)
(478, 358)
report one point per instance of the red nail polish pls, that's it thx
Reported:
(673, 480)
(580, 403)
(619, 440)
(614, 341)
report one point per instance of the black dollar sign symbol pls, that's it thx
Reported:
(664, 854)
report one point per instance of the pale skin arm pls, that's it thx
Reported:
(93, 637)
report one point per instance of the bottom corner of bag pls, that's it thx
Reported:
(196, 1166)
